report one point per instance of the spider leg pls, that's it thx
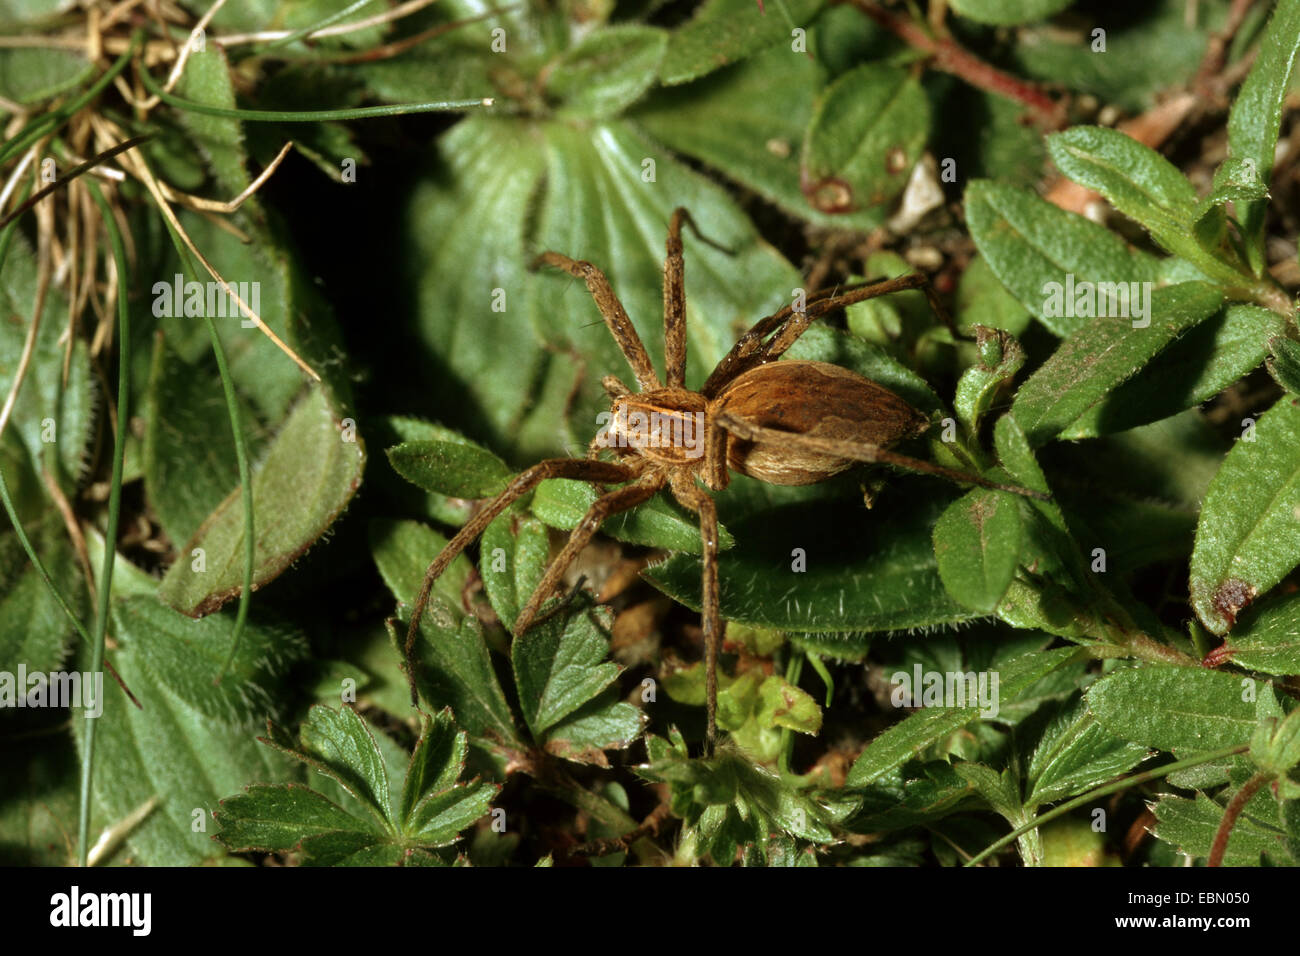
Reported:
(611, 309)
(862, 451)
(580, 468)
(675, 302)
(716, 476)
(788, 334)
(613, 387)
(675, 296)
(754, 348)
(698, 500)
(612, 503)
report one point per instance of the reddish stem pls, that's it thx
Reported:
(1238, 803)
(951, 58)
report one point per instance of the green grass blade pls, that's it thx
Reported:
(246, 480)
(308, 116)
(114, 505)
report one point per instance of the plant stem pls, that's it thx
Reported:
(1122, 784)
(951, 58)
(246, 494)
(1230, 814)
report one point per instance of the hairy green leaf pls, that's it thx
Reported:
(1248, 538)
(866, 134)
(1097, 358)
(977, 547)
(1174, 708)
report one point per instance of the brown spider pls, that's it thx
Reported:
(785, 423)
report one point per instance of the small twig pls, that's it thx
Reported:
(181, 58)
(604, 847)
(951, 58)
(1216, 49)
(155, 190)
(72, 174)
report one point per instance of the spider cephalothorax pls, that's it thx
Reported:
(781, 422)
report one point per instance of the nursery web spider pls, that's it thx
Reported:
(785, 423)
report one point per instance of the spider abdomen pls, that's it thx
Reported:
(816, 399)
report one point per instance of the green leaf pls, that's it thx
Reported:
(1248, 538)
(309, 473)
(187, 655)
(1009, 12)
(862, 571)
(867, 132)
(53, 420)
(725, 31)
(607, 71)
(269, 818)
(1191, 825)
(438, 819)
(509, 391)
(1001, 357)
(1267, 638)
(1284, 363)
(928, 792)
(1029, 243)
(403, 551)
(1257, 116)
(457, 469)
(33, 627)
(977, 547)
(1000, 790)
(434, 807)
(189, 448)
(30, 75)
(1143, 185)
(1097, 358)
(733, 802)
(983, 300)
(1196, 367)
(598, 207)
(514, 553)
(1148, 49)
(561, 503)
(909, 737)
(490, 375)
(343, 743)
(455, 668)
(1235, 181)
(560, 665)
(1276, 745)
(175, 753)
(220, 140)
(41, 796)
(740, 123)
(1174, 708)
(1074, 754)
(785, 705)
(603, 724)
